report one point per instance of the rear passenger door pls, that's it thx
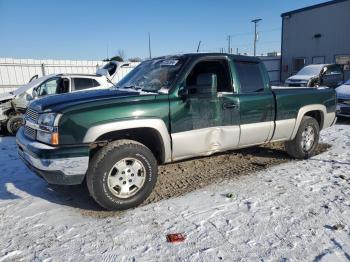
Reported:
(256, 103)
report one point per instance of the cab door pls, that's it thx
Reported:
(206, 119)
(256, 103)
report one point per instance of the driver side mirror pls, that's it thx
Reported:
(183, 92)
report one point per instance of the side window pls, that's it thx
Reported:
(49, 87)
(95, 83)
(250, 77)
(82, 83)
(333, 70)
(63, 86)
(200, 76)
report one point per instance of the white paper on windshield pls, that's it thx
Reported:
(169, 62)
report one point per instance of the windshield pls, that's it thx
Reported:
(311, 70)
(152, 75)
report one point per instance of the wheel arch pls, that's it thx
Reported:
(316, 111)
(152, 133)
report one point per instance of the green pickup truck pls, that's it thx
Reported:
(167, 109)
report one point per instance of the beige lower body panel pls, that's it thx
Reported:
(206, 141)
(284, 129)
(256, 133)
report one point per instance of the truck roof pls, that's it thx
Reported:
(196, 55)
(68, 74)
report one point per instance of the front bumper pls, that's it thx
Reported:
(343, 110)
(56, 167)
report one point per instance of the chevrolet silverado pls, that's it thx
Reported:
(167, 109)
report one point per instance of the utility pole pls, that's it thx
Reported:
(229, 44)
(199, 44)
(149, 46)
(255, 21)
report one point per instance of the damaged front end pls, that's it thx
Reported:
(11, 113)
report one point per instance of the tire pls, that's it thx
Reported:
(306, 140)
(14, 123)
(115, 174)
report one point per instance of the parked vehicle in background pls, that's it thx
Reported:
(14, 104)
(167, 109)
(343, 95)
(330, 75)
(115, 71)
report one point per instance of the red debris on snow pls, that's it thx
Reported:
(177, 237)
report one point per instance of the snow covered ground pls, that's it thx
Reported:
(296, 211)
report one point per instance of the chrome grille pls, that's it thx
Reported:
(32, 115)
(30, 132)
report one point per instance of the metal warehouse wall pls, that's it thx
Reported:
(16, 72)
(332, 22)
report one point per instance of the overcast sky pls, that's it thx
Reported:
(66, 29)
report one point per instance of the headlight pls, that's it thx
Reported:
(48, 130)
(47, 119)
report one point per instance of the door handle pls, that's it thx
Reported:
(229, 105)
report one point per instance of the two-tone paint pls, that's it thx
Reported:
(185, 126)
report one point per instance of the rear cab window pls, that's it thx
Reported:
(250, 76)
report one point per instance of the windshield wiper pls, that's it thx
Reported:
(133, 87)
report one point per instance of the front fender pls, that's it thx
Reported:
(96, 131)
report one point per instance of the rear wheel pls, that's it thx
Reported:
(14, 123)
(122, 175)
(306, 140)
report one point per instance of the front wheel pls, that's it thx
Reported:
(306, 140)
(14, 123)
(122, 175)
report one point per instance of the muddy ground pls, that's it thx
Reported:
(180, 178)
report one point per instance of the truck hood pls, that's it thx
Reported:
(343, 91)
(300, 78)
(58, 103)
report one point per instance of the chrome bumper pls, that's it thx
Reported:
(57, 170)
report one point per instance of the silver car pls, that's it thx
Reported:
(343, 95)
